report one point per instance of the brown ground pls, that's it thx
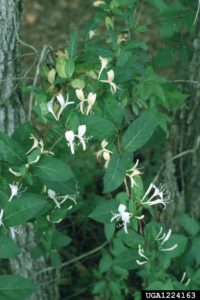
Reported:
(49, 22)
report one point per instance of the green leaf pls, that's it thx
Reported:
(98, 127)
(52, 169)
(159, 4)
(195, 249)
(189, 224)
(105, 263)
(181, 242)
(60, 240)
(60, 66)
(109, 230)
(156, 285)
(103, 211)
(8, 248)
(132, 239)
(72, 44)
(99, 287)
(127, 260)
(167, 30)
(55, 259)
(19, 210)
(10, 150)
(114, 174)
(69, 68)
(15, 287)
(139, 132)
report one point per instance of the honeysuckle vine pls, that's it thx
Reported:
(100, 100)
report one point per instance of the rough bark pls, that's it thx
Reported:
(182, 174)
(11, 115)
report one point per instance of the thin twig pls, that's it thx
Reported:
(67, 263)
(20, 41)
(186, 152)
(197, 13)
(183, 81)
(40, 60)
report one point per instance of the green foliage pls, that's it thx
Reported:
(8, 248)
(15, 287)
(104, 110)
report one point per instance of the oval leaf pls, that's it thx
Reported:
(103, 212)
(139, 132)
(114, 175)
(52, 169)
(10, 150)
(99, 127)
(19, 210)
(15, 287)
(127, 260)
(8, 248)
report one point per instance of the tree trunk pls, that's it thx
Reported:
(12, 115)
(182, 174)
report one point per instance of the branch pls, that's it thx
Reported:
(40, 60)
(69, 262)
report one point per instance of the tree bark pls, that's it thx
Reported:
(182, 175)
(11, 116)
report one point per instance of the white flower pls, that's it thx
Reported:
(113, 86)
(38, 144)
(59, 200)
(35, 144)
(123, 215)
(81, 132)
(104, 62)
(90, 100)
(141, 254)
(17, 174)
(70, 137)
(164, 237)
(157, 197)
(183, 278)
(13, 231)
(91, 34)
(34, 161)
(131, 173)
(14, 191)
(98, 3)
(105, 153)
(62, 102)
(1, 216)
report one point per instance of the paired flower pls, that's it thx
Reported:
(59, 200)
(105, 153)
(164, 237)
(62, 103)
(123, 215)
(183, 278)
(111, 76)
(70, 137)
(131, 173)
(141, 254)
(157, 197)
(104, 62)
(90, 100)
(38, 144)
